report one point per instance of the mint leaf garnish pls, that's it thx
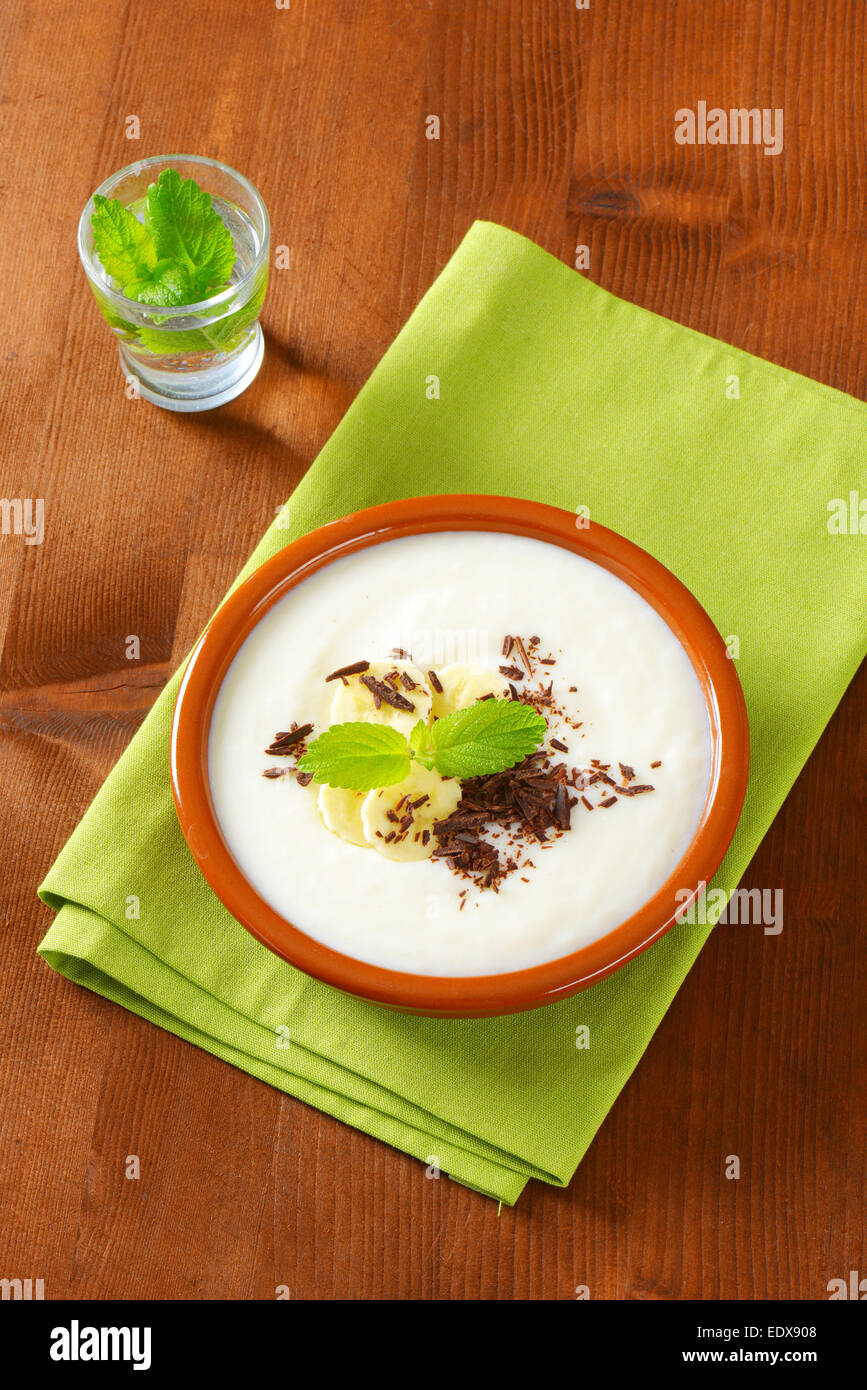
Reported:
(124, 246)
(420, 744)
(181, 220)
(168, 284)
(358, 756)
(183, 253)
(486, 737)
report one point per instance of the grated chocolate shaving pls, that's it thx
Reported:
(522, 652)
(354, 669)
(384, 695)
(526, 804)
(286, 743)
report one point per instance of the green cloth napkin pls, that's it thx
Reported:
(721, 465)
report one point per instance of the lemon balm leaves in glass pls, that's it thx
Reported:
(183, 293)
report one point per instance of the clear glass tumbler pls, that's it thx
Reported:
(193, 356)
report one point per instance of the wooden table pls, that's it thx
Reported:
(560, 123)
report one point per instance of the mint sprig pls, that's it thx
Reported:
(486, 737)
(124, 246)
(182, 253)
(181, 220)
(358, 756)
(168, 283)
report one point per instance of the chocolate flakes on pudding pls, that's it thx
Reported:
(354, 669)
(291, 743)
(384, 693)
(530, 804)
(286, 744)
(525, 807)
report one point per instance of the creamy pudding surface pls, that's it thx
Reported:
(448, 599)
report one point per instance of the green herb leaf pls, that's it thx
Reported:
(124, 246)
(421, 744)
(184, 227)
(168, 284)
(486, 737)
(182, 254)
(358, 756)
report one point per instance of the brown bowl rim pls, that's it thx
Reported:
(471, 995)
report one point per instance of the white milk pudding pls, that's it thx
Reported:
(440, 872)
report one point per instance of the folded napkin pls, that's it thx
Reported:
(724, 467)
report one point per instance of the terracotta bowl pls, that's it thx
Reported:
(487, 995)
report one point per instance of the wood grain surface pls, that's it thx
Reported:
(559, 123)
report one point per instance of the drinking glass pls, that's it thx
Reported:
(192, 356)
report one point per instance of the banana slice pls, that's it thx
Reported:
(340, 810)
(398, 821)
(463, 685)
(354, 701)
